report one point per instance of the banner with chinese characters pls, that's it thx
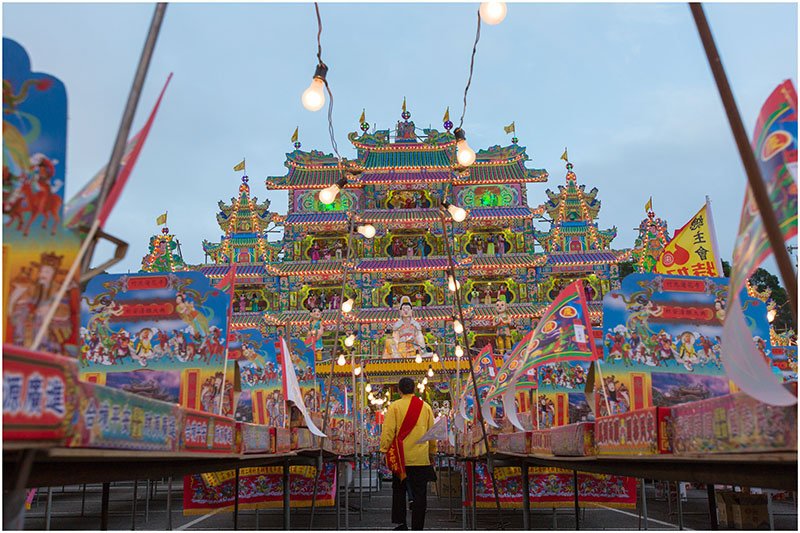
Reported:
(37, 250)
(550, 487)
(262, 400)
(158, 335)
(662, 341)
(693, 250)
(259, 488)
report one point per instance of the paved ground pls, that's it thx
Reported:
(151, 515)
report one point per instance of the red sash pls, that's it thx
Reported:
(395, 456)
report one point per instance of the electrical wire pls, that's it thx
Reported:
(327, 86)
(471, 67)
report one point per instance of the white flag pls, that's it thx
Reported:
(293, 393)
(438, 430)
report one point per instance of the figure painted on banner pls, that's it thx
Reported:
(315, 332)
(687, 353)
(761, 346)
(275, 409)
(501, 244)
(547, 412)
(421, 246)
(617, 395)
(406, 333)
(314, 252)
(487, 296)
(719, 309)
(502, 324)
(143, 347)
(186, 310)
(122, 345)
(474, 297)
(666, 348)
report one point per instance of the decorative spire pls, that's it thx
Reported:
(297, 144)
(363, 121)
(405, 114)
(448, 125)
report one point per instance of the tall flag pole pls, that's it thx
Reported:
(227, 283)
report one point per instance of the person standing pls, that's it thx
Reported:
(406, 421)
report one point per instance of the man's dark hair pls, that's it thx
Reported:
(406, 385)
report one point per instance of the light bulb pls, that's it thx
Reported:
(368, 388)
(464, 154)
(459, 214)
(459, 351)
(341, 361)
(367, 230)
(771, 314)
(347, 305)
(454, 284)
(357, 370)
(328, 194)
(435, 358)
(418, 358)
(458, 327)
(493, 12)
(421, 387)
(314, 97)
(430, 372)
(424, 381)
(370, 396)
(350, 340)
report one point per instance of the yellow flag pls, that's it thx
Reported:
(363, 117)
(649, 205)
(693, 250)
(564, 155)
(510, 128)
(162, 219)
(404, 104)
(446, 117)
(294, 137)
(240, 166)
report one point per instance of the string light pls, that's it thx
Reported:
(314, 97)
(370, 397)
(350, 340)
(464, 154)
(418, 359)
(367, 230)
(459, 351)
(424, 381)
(493, 13)
(430, 371)
(368, 388)
(458, 214)
(357, 370)
(458, 327)
(453, 284)
(435, 358)
(328, 195)
(347, 305)
(341, 361)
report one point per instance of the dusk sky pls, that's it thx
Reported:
(626, 87)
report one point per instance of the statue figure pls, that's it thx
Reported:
(315, 331)
(502, 321)
(407, 338)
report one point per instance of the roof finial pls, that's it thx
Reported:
(405, 114)
(297, 144)
(363, 121)
(448, 125)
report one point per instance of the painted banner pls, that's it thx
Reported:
(37, 250)
(259, 488)
(340, 422)
(662, 341)
(292, 386)
(775, 146)
(485, 371)
(784, 362)
(80, 210)
(262, 374)
(159, 335)
(550, 487)
(693, 251)
(560, 398)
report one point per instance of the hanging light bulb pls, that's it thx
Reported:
(418, 358)
(435, 358)
(421, 387)
(357, 370)
(430, 371)
(350, 340)
(771, 314)
(458, 214)
(314, 97)
(458, 327)
(368, 388)
(341, 361)
(367, 230)
(347, 305)
(453, 284)
(370, 396)
(493, 12)
(424, 381)
(464, 154)
(459, 351)
(328, 195)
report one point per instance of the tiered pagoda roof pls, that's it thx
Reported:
(653, 237)
(573, 236)
(164, 254)
(244, 222)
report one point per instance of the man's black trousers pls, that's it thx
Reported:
(416, 484)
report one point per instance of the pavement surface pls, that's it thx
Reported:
(74, 509)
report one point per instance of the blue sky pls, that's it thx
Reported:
(626, 87)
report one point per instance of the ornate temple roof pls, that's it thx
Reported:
(573, 212)
(163, 254)
(521, 260)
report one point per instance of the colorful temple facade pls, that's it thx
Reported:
(397, 182)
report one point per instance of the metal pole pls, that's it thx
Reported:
(83, 499)
(644, 504)
(754, 178)
(338, 495)
(449, 488)
(346, 498)
(169, 503)
(287, 502)
(577, 503)
(133, 505)
(680, 505)
(103, 506)
(48, 510)
(464, 496)
(147, 503)
(474, 496)
(236, 501)
(526, 497)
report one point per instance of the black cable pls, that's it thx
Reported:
(327, 87)
(471, 66)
